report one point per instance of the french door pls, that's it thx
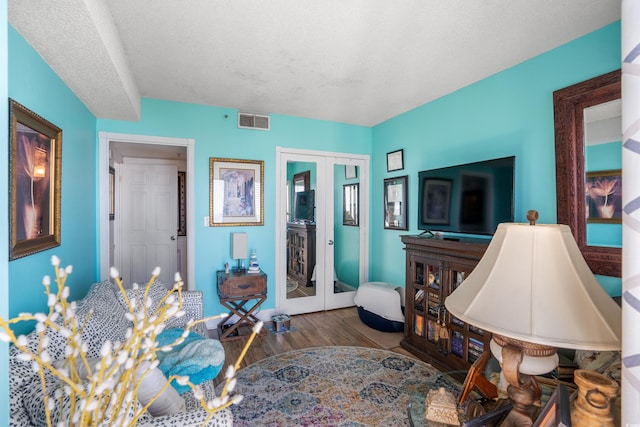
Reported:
(322, 229)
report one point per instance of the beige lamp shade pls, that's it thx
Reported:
(533, 284)
(239, 247)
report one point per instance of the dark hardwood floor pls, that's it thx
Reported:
(319, 329)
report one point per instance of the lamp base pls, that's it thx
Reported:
(525, 400)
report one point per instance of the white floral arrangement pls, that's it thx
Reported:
(107, 390)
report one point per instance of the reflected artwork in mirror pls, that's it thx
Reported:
(573, 107)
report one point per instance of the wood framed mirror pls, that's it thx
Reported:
(569, 105)
(301, 181)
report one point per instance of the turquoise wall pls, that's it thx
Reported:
(33, 84)
(509, 113)
(216, 134)
(4, 207)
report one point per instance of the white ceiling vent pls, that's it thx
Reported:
(253, 121)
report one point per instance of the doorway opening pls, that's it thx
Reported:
(113, 148)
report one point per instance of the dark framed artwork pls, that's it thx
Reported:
(35, 159)
(395, 160)
(182, 203)
(604, 196)
(436, 201)
(236, 192)
(350, 204)
(112, 193)
(395, 203)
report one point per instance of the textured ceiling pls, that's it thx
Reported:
(359, 62)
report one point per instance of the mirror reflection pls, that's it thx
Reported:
(603, 170)
(301, 229)
(346, 232)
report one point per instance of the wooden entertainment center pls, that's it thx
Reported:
(435, 266)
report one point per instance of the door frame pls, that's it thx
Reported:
(104, 139)
(321, 230)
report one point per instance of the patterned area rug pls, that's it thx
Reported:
(333, 386)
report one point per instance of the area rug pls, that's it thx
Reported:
(333, 386)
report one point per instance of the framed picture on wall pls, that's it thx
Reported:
(350, 172)
(182, 203)
(35, 163)
(604, 196)
(395, 203)
(236, 192)
(395, 160)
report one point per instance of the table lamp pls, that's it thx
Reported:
(534, 292)
(239, 250)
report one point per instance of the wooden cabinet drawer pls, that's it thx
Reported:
(241, 284)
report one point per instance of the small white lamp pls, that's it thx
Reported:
(239, 249)
(534, 291)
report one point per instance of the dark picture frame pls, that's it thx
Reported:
(603, 196)
(395, 160)
(236, 192)
(112, 193)
(395, 203)
(35, 159)
(436, 201)
(182, 203)
(491, 418)
(351, 204)
(557, 411)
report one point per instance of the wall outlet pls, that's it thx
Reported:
(206, 221)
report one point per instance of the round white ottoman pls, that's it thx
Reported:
(381, 306)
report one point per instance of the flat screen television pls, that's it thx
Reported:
(304, 206)
(471, 198)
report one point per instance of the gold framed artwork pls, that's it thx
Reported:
(236, 192)
(35, 159)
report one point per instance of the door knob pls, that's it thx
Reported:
(173, 237)
(330, 242)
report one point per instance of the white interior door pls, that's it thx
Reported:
(339, 261)
(149, 220)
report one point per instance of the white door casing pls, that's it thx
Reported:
(103, 184)
(149, 222)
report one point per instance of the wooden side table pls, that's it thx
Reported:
(242, 293)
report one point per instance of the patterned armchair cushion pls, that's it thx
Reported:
(106, 306)
(106, 319)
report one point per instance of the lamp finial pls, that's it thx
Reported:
(532, 216)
